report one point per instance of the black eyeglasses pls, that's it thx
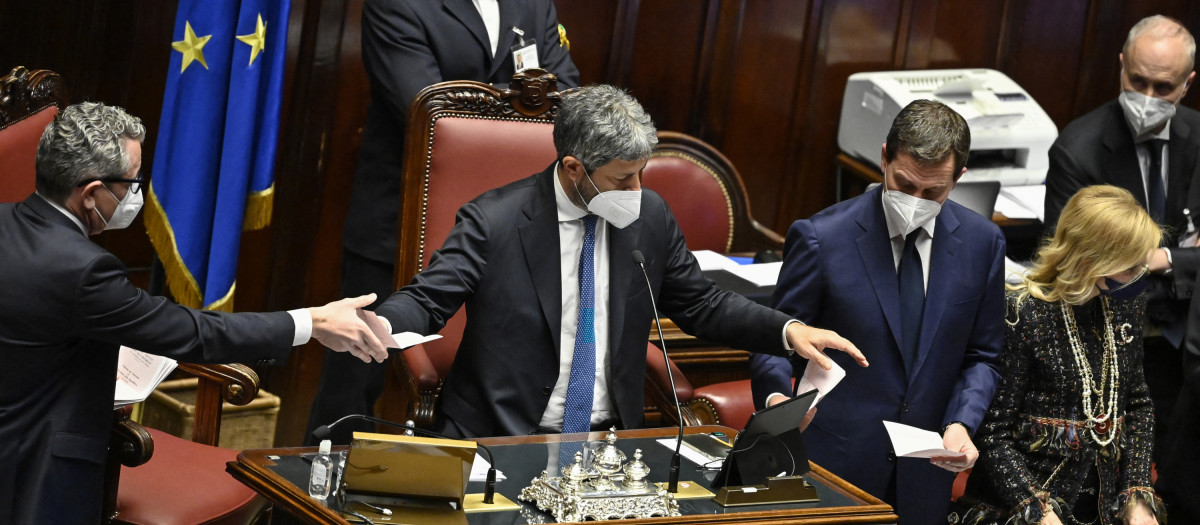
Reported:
(135, 184)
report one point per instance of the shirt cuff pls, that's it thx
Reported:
(387, 324)
(772, 396)
(303, 320)
(786, 345)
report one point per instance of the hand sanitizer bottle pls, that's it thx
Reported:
(320, 478)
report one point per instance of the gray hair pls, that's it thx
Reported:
(1160, 27)
(600, 123)
(930, 132)
(85, 141)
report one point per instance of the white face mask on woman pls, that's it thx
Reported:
(908, 211)
(619, 207)
(1143, 113)
(127, 209)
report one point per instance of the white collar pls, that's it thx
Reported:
(567, 210)
(66, 212)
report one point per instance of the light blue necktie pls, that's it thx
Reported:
(577, 412)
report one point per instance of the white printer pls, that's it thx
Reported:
(1010, 133)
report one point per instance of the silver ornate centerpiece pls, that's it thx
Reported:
(611, 489)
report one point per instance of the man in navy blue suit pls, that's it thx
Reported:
(916, 282)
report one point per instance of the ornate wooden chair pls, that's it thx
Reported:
(464, 138)
(707, 196)
(29, 100)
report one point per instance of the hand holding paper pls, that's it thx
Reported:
(912, 442)
(820, 379)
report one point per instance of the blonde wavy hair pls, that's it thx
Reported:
(1102, 231)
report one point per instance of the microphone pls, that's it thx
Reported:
(673, 480)
(489, 486)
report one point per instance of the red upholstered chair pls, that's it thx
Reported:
(464, 138)
(165, 480)
(707, 196)
(29, 100)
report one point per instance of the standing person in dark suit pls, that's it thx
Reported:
(68, 306)
(557, 308)
(916, 281)
(1179, 463)
(1149, 144)
(408, 45)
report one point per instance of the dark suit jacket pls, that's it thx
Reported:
(408, 45)
(1098, 148)
(501, 260)
(67, 307)
(1179, 466)
(838, 273)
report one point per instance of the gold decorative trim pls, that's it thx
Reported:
(721, 183)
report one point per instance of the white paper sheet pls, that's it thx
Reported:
(407, 339)
(690, 453)
(761, 274)
(820, 379)
(912, 442)
(710, 260)
(138, 374)
(480, 467)
(1022, 202)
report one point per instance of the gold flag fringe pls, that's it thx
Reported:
(259, 207)
(180, 281)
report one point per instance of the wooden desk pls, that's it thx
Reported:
(274, 473)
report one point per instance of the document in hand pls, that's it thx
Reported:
(912, 442)
(820, 379)
(407, 339)
(138, 374)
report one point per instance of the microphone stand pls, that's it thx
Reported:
(673, 479)
(489, 486)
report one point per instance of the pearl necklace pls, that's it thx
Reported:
(1104, 423)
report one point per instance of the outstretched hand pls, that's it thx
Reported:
(810, 342)
(338, 326)
(957, 438)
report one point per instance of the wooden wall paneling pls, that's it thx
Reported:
(965, 34)
(666, 40)
(852, 36)
(590, 28)
(1041, 49)
(755, 98)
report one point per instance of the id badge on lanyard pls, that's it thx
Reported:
(525, 54)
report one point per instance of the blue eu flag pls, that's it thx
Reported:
(215, 151)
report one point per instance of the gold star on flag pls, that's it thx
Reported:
(192, 47)
(256, 40)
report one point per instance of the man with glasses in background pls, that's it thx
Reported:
(68, 307)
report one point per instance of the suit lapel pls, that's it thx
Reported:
(509, 16)
(465, 12)
(621, 272)
(1123, 159)
(1181, 157)
(875, 248)
(539, 241)
(942, 258)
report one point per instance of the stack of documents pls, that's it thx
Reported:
(138, 374)
(762, 274)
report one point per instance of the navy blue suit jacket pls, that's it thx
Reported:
(839, 274)
(502, 261)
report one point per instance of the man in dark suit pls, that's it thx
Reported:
(408, 45)
(1145, 142)
(557, 308)
(916, 281)
(68, 306)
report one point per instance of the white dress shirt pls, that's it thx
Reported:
(570, 243)
(489, 10)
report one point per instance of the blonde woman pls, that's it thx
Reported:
(1067, 438)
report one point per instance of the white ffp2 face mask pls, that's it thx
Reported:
(908, 211)
(619, 207)
(1143, 113)
(127, 209)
